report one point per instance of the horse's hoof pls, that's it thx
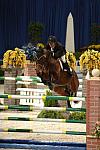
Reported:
(50, 87)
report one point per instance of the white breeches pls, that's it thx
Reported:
(63, 58)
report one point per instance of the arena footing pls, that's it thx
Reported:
(40, 145)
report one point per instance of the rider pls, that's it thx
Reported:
(58, 52)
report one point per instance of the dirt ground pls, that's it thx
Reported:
(39, 126)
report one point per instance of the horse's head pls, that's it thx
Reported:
(42, 64)
(47, 67)
(39, 52)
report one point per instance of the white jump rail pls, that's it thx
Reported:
(32, 101)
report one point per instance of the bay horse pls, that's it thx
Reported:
(52, 74)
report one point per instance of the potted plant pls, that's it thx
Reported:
(89, 60)
(35, 30)
(14, 59)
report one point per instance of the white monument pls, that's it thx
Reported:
(70, 44)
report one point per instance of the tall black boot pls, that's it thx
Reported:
(67, 68)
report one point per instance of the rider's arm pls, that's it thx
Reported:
(60, 52)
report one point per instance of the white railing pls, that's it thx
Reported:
(35, 92)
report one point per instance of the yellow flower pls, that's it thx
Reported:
(71, 59)
(40, 45)
(90, 59)
(14, 58)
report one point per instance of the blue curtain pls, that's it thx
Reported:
(15, 16)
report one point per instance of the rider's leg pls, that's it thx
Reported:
(65, 65)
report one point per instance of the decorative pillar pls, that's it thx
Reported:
(30, 70)
(92, 112)
(10, 85)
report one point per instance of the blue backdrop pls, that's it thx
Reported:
(15, 16)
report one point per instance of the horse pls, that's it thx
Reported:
(51, 73)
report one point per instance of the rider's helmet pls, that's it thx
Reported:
(52, 39)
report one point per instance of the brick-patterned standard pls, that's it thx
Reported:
(93, 112)
(30, 69)
(10, 85)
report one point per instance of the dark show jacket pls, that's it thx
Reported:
(58, 50)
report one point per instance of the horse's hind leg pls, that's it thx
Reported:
(73, 94)
(68, 103)
(68, 94)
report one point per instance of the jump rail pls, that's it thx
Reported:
(22, 78)
(42, 97)
(31, 108)
(42, 132)
(42, 119)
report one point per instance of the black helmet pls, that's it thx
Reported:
(52, 39)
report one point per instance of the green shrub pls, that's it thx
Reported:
(77, 116)
(35, 30)
(59, 114)
(62, 115)
(50, 103)
(51, 114)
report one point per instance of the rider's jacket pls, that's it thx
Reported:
(58, 50)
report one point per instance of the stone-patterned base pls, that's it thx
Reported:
(10, 85)
(92, 112)
(93, 143)
(30, 69)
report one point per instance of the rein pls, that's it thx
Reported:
(38, 60)
(41, 57)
